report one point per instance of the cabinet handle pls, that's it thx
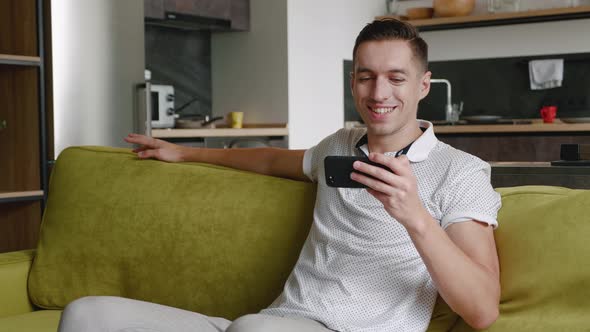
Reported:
(3, 124)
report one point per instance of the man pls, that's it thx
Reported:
(374, 259)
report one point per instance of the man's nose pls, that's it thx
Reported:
(381, 90)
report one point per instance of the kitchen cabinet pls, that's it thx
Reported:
(534, 142)
(516, 146)
(509, 174)
(475, 21)
(214, 15)
(207, 8)
(23, 165)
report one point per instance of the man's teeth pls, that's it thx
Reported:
(382, 110)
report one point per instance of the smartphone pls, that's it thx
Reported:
(338, 169)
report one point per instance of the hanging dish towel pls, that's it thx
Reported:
(546, 74)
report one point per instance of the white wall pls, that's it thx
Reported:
(98, 58)
(249, 69)
(510, 40)
(321, 36)
(288, 67)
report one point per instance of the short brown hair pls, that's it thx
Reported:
(392, 29)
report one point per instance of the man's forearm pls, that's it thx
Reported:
(254, 160)
(269, 161)
(470, 289)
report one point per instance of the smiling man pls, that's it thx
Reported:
(376, 258)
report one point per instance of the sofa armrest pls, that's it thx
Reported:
(14, 271)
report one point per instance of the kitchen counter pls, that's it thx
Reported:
(517, 164)
(220, 132)
(537, 126)
(535, 141)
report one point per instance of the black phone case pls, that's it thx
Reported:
(338, 168)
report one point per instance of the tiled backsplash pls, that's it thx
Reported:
(498, 87)
(181, 58)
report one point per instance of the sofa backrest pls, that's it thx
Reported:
(543, 242)
(222, 242)
(194, 236)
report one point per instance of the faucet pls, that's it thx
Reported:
(449, 108)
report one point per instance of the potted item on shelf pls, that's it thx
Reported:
(450, 8)
(419, 13)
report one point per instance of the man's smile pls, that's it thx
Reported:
(382, 110)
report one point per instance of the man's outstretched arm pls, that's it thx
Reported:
(269, 161)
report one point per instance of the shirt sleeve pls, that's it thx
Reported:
(471, 197)
(313, 159)
(307, 164)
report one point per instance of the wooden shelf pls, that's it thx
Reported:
(20, 60)
(475, 21)
(21, 196)
(219, 132)
(24, 46)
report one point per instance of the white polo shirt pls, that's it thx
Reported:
(358, 269)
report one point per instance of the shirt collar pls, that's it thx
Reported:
(417, 151)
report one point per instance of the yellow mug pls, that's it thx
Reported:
(237, 119)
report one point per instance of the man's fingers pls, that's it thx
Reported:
(375, 184)
(141, 140)
(376, 172)
(399, 165)
(137, 139)
(148, 154)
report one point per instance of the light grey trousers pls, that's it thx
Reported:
(117, 314)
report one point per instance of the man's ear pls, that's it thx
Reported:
(425, 84)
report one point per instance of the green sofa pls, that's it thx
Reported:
(222, 242)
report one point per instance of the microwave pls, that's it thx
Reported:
(162, 99)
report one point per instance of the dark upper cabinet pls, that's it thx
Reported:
(219, 9)
(214, 15)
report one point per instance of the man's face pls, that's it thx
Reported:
(387, 84)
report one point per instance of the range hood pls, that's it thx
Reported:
(190, 22)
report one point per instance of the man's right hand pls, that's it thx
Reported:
(150, 147)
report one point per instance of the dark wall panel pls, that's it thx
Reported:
(181, 58)
(499, 87)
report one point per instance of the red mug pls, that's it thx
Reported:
(548, 113)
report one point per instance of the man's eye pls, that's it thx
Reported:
(364, 79)
(397, 80)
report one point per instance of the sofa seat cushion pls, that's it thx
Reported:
(543, 246)
(194, 236)
(14, 270)
(36, 321)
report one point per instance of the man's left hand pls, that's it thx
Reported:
(396, 190)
